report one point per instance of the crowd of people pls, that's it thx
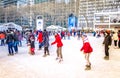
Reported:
(13, 38)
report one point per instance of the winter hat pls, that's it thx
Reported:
(85, 38)
(108, 31)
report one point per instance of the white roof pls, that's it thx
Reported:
(6, 26)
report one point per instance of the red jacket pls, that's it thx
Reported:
(58, 41)
(40, 37)
(86, 47)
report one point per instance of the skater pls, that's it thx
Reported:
(119, 39)
(40, 39)
(16, 42)
(115, 39)
(10, 42)
(32, 45)
(59, 47)
(87, 49)
(45, 43)
(107, 42)
(2, 37)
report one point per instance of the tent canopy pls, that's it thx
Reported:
(53, 27)
(10, 25)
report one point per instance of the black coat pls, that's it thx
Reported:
(10, 38)
(45, 39)
(108, 40)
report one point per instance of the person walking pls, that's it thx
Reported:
(46, 43)
(59, 47)
(2, 37)
(115, 39)
(16, 42)
(119, 39)
(20, 37)
(40, 39)
(32, 45)
(107, 42)
(10, 42)
(87, 49)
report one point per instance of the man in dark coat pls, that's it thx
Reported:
(10, 41)
(46, 43)
(107, 42)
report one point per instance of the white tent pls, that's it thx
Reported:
(10, 25)
(52, 27)
(2, 28)
(55, 28)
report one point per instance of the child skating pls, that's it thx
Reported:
(87, 49)
(31, 45)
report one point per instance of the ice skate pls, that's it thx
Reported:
(33, 53)
(48, 54)
(60, 60)
(44, 55)
(57, 58)
(106, 57)
(88, 67)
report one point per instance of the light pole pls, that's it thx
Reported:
(31, 13)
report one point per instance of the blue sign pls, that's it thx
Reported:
(71, 22)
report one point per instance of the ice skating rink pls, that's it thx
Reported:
(23, 65)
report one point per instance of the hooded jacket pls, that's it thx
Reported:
(58, 41)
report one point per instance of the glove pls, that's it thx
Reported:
(51, 43)
(80, 50)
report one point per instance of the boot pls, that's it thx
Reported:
(57, 58)
(60, 60)
(48, 53)
(33, 53)
(106, 57)
(88, 67)
(44, 55)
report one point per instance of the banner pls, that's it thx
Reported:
(39, 24)
(71, 23)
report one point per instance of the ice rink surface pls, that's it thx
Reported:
(24, 65)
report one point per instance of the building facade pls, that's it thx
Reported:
(56, 12)
(89, 8)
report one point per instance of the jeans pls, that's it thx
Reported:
(10, 47)
(20, 43)
(2, 42)
(40, 45)
(16, 46)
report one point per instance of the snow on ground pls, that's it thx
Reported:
(23, 65)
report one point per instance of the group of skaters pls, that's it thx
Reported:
(13, 39)
(43, 39)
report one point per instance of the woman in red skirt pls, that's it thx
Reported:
(87, 49)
